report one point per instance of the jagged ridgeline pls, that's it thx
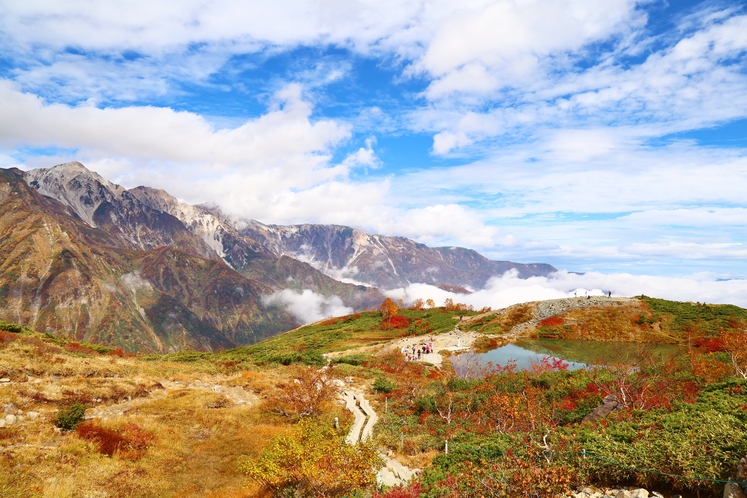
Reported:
(90, 260)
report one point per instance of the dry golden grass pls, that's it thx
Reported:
(199, 434)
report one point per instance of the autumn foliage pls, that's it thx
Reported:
(395, 322)
(129, 442)
(313, 460)
(306, 395)
(388, 308)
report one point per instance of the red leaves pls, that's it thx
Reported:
(129, 441)
(711, 344)
(414, 490)
(395, 322)
(74, 347)
(553, 321)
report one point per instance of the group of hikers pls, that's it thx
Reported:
(414, 352)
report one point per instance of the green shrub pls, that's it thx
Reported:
(383, 385)
(314, 358)
(353, 359)
(10, 327)
(70, 416)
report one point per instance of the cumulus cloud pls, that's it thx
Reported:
(481, 49)
(689, 82)
(509, 289)
(307, 306)
(275, 167)
(284, 136)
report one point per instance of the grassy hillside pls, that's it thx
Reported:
(348, 332)
(191, 423)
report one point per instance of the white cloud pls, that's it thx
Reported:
(689, 83)
(509, 289)
(440, 223)
(283, 137)
(503, 42)
(274, 167)
(363, 157)
(308, 306)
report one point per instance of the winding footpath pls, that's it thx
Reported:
(393, 473)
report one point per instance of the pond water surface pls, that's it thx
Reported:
(578, 354)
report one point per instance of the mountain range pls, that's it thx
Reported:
(83, 257)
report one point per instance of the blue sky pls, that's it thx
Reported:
(596, 136)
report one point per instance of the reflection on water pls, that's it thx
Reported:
(576, 353)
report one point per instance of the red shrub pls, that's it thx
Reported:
(130, 441)
(74, 347)
(568, 403)
(553, 321)
(7, 337)
(118, 352)
(395, 322)
(711, 344)
(414, 490)
(107, 440)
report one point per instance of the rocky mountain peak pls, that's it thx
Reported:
(75, 186)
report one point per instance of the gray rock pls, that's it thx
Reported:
(10, 419)
(10, 408)
(609, 404)
(733, 490)
(639, 493)
(32, 415)
(2, 422)
(4, 380)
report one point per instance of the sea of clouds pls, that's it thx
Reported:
(509, 289)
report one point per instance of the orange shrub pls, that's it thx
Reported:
(553, 321)
(130, 441)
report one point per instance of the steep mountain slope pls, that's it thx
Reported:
(250, 257)
(381, 261)
(60, 274)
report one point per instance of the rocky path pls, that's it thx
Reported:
(393, 473)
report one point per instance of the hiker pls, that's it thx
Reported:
(609, 294)
(418, 354)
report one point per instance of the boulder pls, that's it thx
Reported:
(734, 490)
(609, 404)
